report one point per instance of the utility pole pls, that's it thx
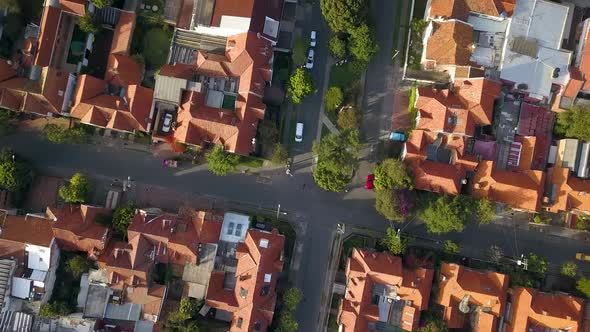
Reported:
(278, 211)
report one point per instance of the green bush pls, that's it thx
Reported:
(77, 191)
(76, 266)
(156, 44)
(333, 98)
(583, 286)
(393, 174)
(122, 218)
(221, 162)
(88, 24)
(451, 247)
(337, 46)
(300, 85)
(569, 269)
(394, 243)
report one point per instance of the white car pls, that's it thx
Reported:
(167, 123)
(312, 38)
(309, 63)
(299, 132)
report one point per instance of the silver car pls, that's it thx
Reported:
(309, 63)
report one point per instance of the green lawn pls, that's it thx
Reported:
(156, 44)
(252, 162)
(344, 76)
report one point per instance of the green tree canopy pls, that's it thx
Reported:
(53, 310)
(394, 243)
(287, 323)
(392, 174)
(343, 15)
(15, 173)
(333, 98)
(444, 214)
(221, 162)
(102, 3)
(156, 43)
(122, 218)
(349, 118)
(451, 247)
(574, 123)
(337, 46)
(484, 210)
(569, 269)
(537, 264)
(279, 154)
(76, 266)
(87, 23)
(300, 85)
(362, 43)
(77, 191)
(299, 55)
(59, 134)
(387, 204)
(337, 158)
(182, 320)
(583, 286)
(12, 6)
(434, 325)
(291, 298)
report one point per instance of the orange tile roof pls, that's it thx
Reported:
(570, 192)
(435, 176)
(367, 268)
(534, 309)
(49, 25)
(77, 7)
(469, 103)
(460, 9)
(75, 228)
(151, 298)
(519, 189)
(527, 153)
(485, 289)
(253, 263)
(123, 33)
(584, 65)
(27, 229)
(179, 236)
(247, 57)
(450, 43)
(122, 70)
(124, 114)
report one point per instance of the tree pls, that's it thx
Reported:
(102, 3)
(451, 247)
(362, 43)
(12, 6)
(299, 55)
(485, 210)
(287, 323)
(343, 15)
(333, 98)
(349, 118)
(291, 299)
(387, 204)
(444, 215)
(76, 266)
(221, 162)
(337, 46)
(279, 154)
(574, 123)
(87, 23)
(77, 191)
(15, 173)
(537, 264)
(189, 307)
(181, 320)
(392, 174)
(583, 286)
(155, 46)
(300, 85)
(495, 253)
(569, 269)
(122, 218)
(434, 324)
(394, 243)
(337, 159)
(53, 310)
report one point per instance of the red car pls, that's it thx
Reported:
(369, 183)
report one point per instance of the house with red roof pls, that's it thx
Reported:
(153, 238)
(382, 294)
(213, 94)
(75, 228)
(473, 300)
(248, 263)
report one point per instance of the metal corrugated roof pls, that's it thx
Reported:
(169, 88)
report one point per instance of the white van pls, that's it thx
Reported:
(299, 132)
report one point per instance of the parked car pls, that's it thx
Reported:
(310, 54)
(397, 136)
(312, 38)
(369, 183)
(299, 132)
(167, 124)
(583, 257)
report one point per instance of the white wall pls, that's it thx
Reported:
(39, 257)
